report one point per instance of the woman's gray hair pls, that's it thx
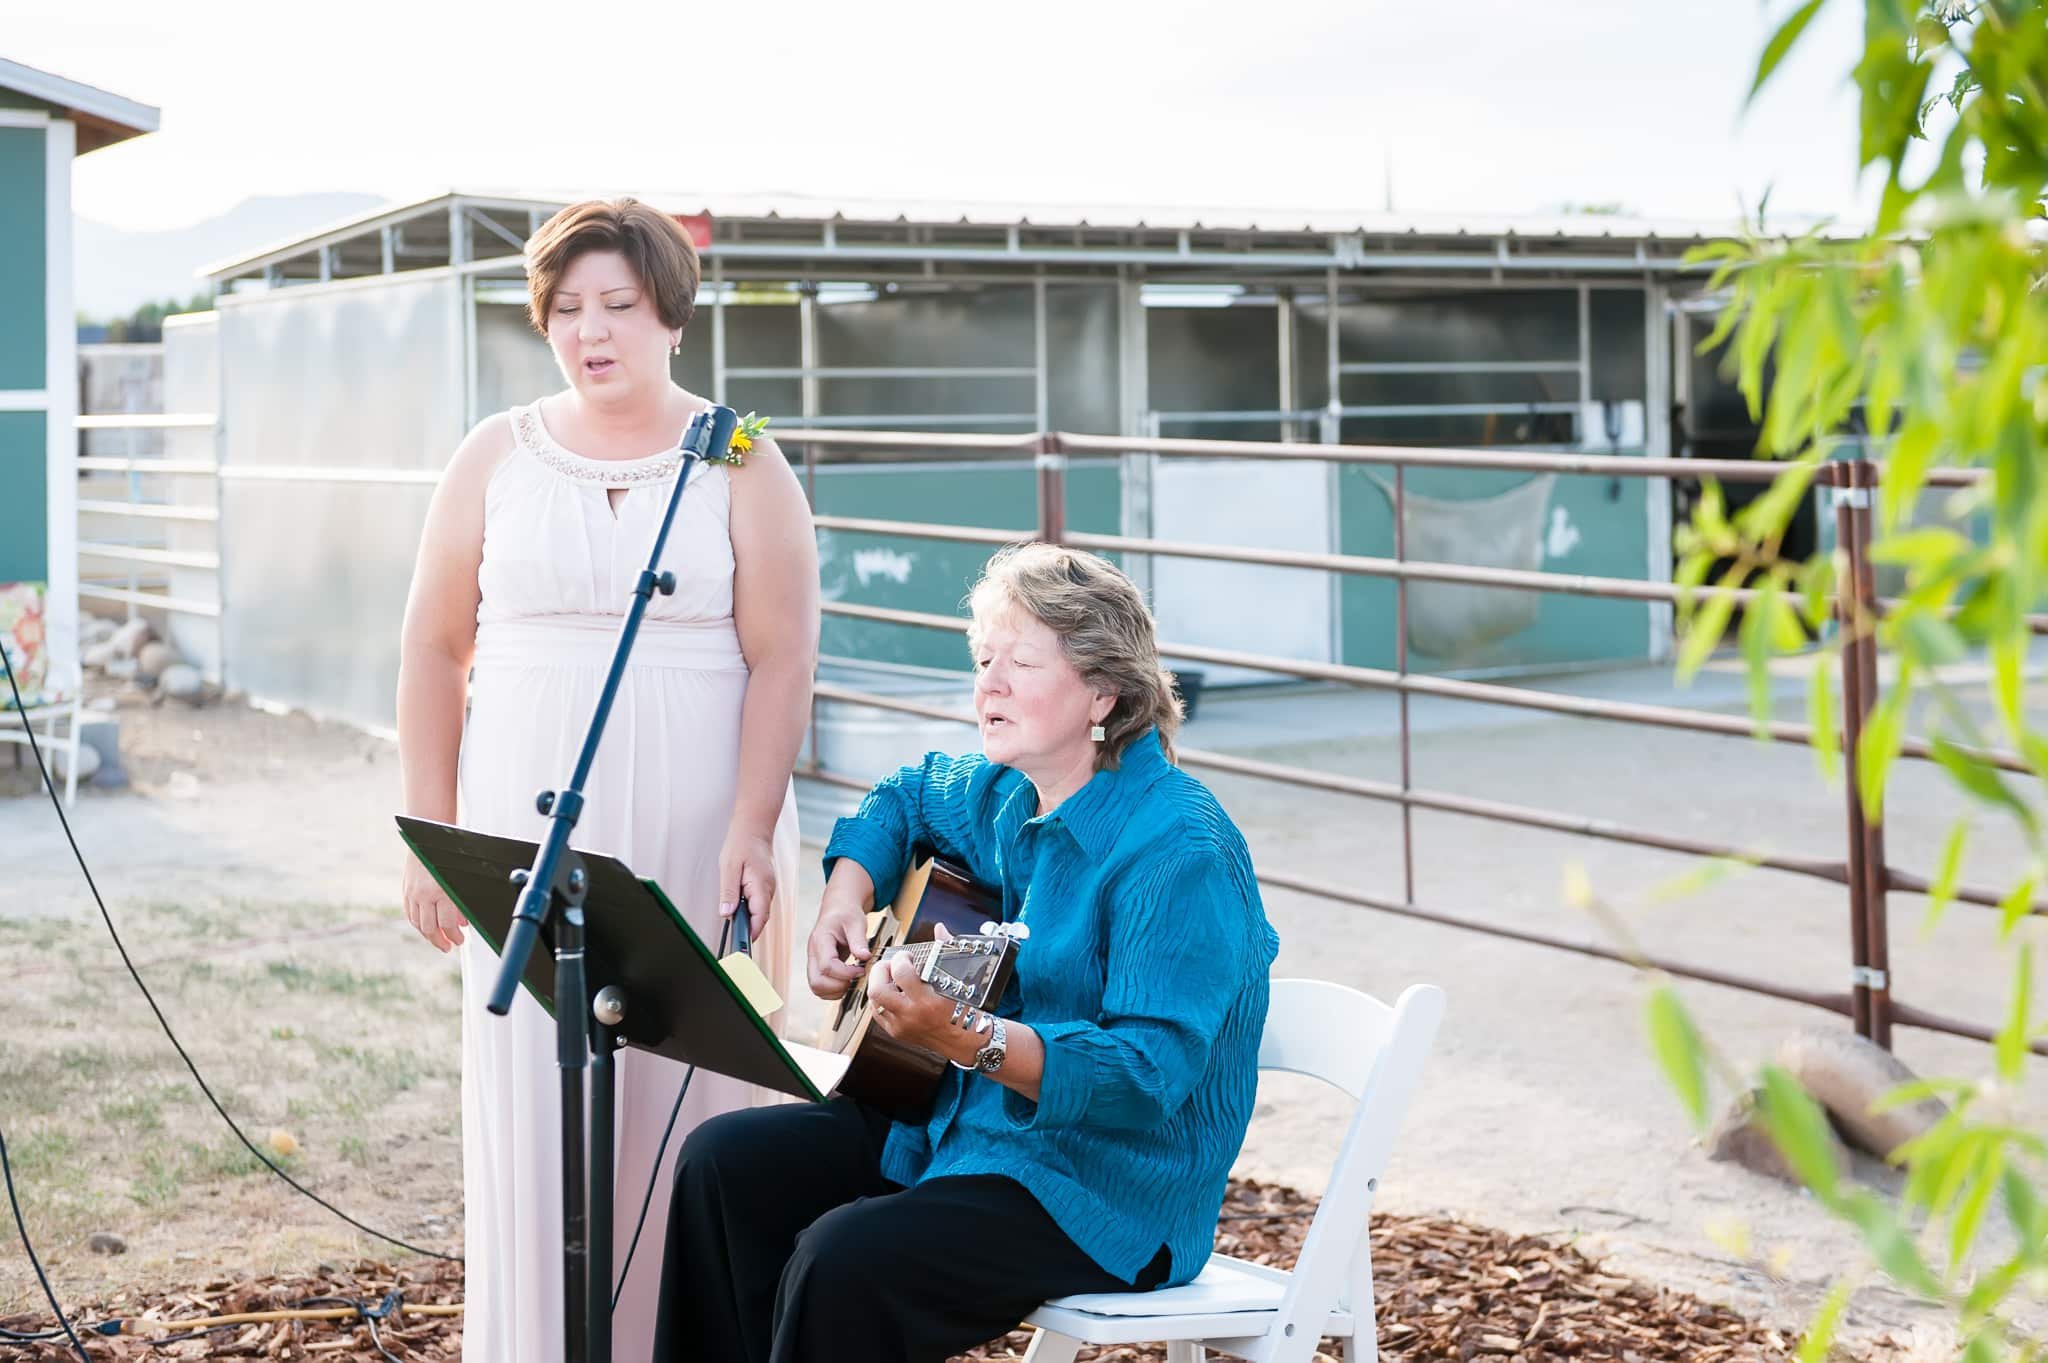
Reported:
(1104, 628)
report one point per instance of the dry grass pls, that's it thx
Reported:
(322, 1023)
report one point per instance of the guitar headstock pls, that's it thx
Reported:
(965, 969)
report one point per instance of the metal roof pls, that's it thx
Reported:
(102, 118)
(765, 226)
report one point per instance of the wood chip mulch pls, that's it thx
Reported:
(1446, 1291)
(1449, 1291)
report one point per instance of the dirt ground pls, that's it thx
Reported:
(251, 868)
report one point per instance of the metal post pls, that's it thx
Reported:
(1876, 872)
(465, 314)
(1134, 471)
(1401, 667)
(1585, 359)
(718, 394)
(1664, 364)
(1052, 489)
(807, 346)
(1854, 707)
(1331, 432)
(128, 532)
(811, 497)
(1289, 394)
(1041, 400)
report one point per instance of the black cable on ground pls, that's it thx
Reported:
(50, 785)
(7, 1168)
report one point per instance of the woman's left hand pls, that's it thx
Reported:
(915, 1013)
(746, 866)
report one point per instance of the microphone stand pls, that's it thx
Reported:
(551, 896)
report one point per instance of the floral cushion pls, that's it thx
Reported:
(23, 637)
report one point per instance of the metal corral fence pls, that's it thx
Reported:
(1847, 484)
(178, 570)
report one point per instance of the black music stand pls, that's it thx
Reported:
(649, 981)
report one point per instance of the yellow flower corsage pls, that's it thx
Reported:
(743, 437)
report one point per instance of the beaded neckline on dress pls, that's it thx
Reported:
(533, 434)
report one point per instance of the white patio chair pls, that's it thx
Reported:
(59, 720)
(1375, 1054)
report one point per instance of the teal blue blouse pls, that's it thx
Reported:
(1144, 974)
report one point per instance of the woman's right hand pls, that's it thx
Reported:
(842, 932)
(428, 908)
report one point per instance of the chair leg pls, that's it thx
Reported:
(1185, 1351)
(1049, 1347)
(70, 759)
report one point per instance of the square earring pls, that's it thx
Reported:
(1098, 734)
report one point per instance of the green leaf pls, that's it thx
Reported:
(2023, 1207)
(1991, 1289)
(1820, 715)
(1922, 547)
(1982, 1347)
(1692, 571)
(1889, 1243)
(1767, 515)
(1705, 873)
(1933, 640)
(1756, 654)
(1883, 736)
(1905, 470)
(2011, 1042)
(1942, 892)
(1916, 1090)
(1819, 1341)
(2016, 905)
(1676, 1043)
(1799, 1129)
(1710, 512)
(1980, 779)
(1704, 631)
(2035, 750)
(1963, 1230)
(2008, 663)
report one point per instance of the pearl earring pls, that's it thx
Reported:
(676, 346)
(1098, 734)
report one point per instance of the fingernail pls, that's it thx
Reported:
(725, 910)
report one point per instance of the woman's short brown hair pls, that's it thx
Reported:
(1104, 628)
(652, 242)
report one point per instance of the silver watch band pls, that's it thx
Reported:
(991, 1057)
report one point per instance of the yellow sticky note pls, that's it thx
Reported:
(753, 985)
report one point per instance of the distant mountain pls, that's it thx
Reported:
(117, 270)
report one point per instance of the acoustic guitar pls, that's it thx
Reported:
(973, 968)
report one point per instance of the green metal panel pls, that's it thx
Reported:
(933, 575)
(23, 252)
(1603, 531)
(24, 498)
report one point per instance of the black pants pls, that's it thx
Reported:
(786, 1245)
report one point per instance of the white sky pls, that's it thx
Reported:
(1493, 105)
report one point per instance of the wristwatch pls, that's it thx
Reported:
(989, 1058)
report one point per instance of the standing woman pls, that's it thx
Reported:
(536, 534)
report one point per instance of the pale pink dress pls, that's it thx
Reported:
(558, 567)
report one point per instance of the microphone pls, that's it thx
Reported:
(710, 431)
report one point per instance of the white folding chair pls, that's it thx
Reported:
(1375, 1054)
(59, 718)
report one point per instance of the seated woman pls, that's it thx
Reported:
(1082, 1142)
